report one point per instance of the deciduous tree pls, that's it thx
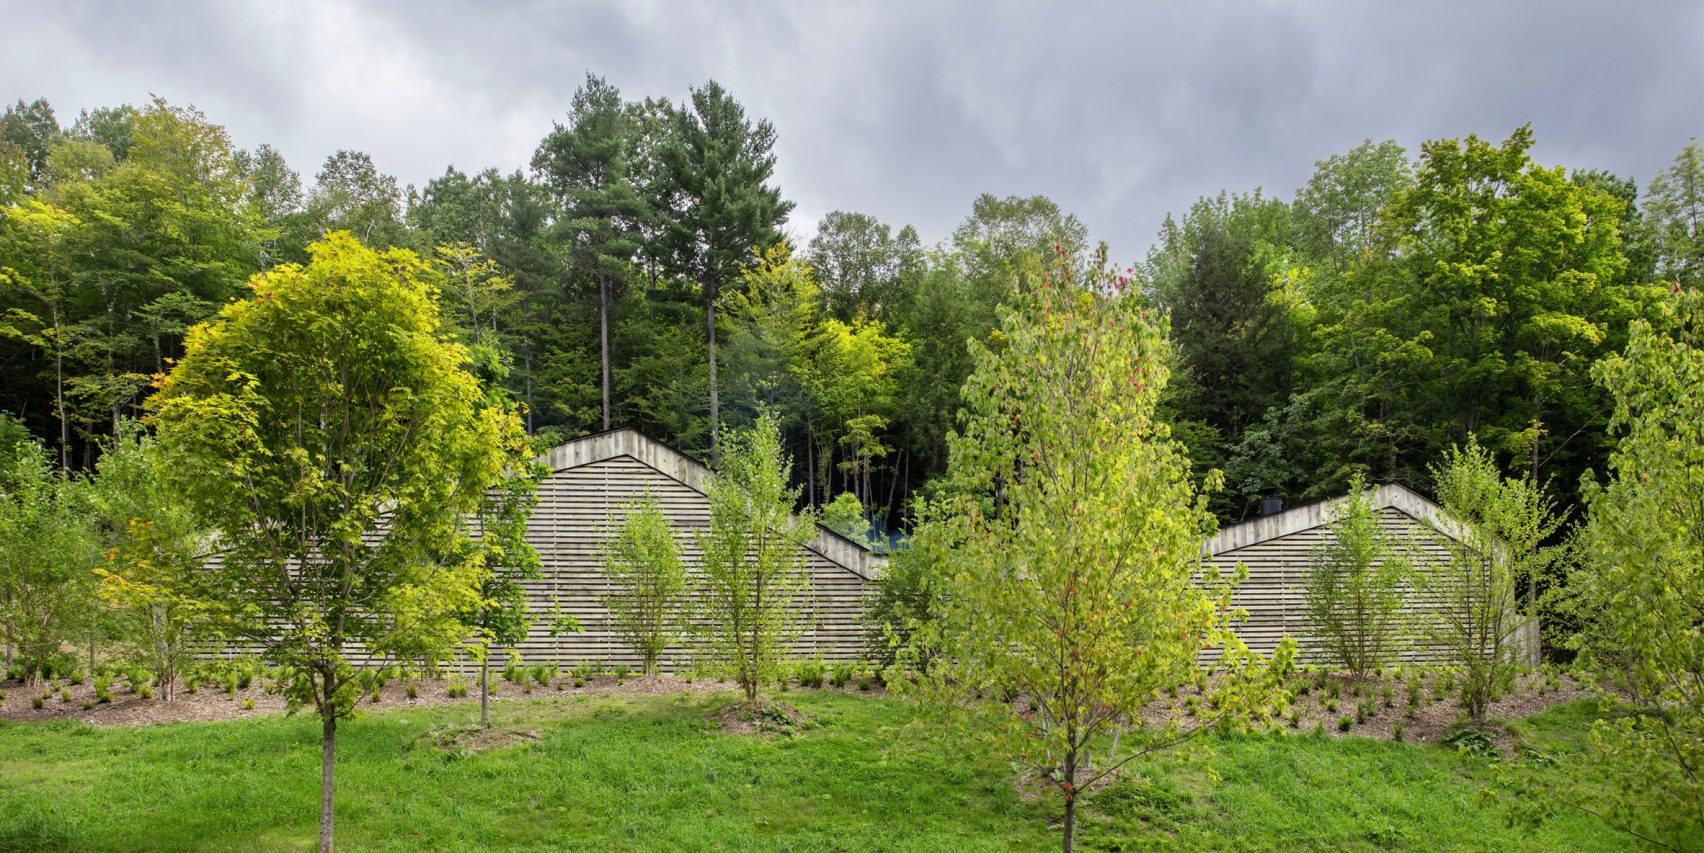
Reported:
(643, 563)
(1498, 527)
(1076, 593)
(753, 592)
(1355, 602)
(330, 434)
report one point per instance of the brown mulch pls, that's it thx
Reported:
(1432, 719)
(211, 703)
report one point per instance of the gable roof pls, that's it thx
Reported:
(672, 463)
(1308, 516)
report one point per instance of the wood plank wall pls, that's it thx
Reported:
(1275, 593)
(578, 511)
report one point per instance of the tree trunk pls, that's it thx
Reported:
(1070, 831)
(328, 742)
(59, 395)
(485, 692)
(526, 362)
(715, 405)
(603, 334)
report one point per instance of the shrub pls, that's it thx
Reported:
(810, 673)
(1295, 719)
(1388, 695)
(1396, 731)
(39, 702)
(248, 704)
(456, 689)
(65, 695)
(1344, 722)
(842, 674)
(143, 691)
(412, 689)
(1331, 706)
(621, 673)
(88, 705)
(579, 682)
(1319, 728)
(76, 677)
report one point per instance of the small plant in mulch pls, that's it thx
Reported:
(248, 704)
(1344, 722)
(39, 702)
(1396, 731)
(1477, 742)
(456, 689)
(412, 689)
(88, 705)
(842, 674)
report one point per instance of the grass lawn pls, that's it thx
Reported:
(651, 773)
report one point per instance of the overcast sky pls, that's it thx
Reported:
(1121, 112)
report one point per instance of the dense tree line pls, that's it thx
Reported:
(637, 273)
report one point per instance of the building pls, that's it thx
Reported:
(1277, 549)
(592, 481)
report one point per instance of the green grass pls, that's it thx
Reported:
(645, 773)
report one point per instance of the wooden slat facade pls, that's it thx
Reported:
(1278, 549)
(1275, 593)
(579, 510)
(593, 481)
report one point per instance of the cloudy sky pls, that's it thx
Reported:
(907, 110)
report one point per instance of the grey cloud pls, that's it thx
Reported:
(1121, 112)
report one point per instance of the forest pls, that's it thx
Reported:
(637, 273)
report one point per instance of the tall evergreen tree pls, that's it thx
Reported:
(586, 166)
(716, 164)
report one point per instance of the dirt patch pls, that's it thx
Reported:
(746, 718)
(469, 739)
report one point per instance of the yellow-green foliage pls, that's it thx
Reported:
(1075, 583)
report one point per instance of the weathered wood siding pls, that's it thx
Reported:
(579, 508)
(593, 480)
(1275, 593)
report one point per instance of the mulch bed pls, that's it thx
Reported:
(1425, 723)
(212, 703)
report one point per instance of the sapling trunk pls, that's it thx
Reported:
(1069, 785)
(485, 693)
(328, 741)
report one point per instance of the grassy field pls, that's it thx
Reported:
(651, 772)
